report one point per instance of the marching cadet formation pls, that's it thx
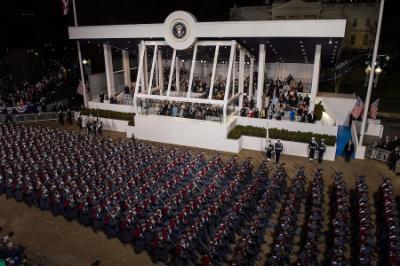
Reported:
(184, 210)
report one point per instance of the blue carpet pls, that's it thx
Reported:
(344, 134)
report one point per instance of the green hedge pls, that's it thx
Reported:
(110, 115)
(282, 134)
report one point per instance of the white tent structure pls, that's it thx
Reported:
(232, 51)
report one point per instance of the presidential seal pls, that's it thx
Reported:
(179, 30)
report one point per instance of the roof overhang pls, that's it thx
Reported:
(290, 41)
(329, 28)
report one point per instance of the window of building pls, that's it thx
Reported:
(352, 39)
(365, 41)
(368, 22)
(355, 22)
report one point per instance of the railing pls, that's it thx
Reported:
(378, 154)
(23, 118)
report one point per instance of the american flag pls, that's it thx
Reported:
(373, 109)
(357, 108)
(65, 7)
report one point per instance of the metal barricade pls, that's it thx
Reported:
(48, 116)
(376, 153)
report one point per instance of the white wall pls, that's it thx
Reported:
(288, 125)
(298, 71)
(98, 83)
(289, 147)
(373, 128)
(112, 107)
(338, 106)
(182, 131)
(207, 135)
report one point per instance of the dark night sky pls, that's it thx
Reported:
(47, 24)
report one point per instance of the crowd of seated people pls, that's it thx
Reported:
(183, 109)
(189, 110)
(280, 101)
(182, 209)
(10, 254)
(37, 91)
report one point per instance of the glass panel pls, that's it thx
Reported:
(221, 73)
(180, 109)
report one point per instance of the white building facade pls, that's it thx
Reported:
(361, 17)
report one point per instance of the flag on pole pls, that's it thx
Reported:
(373, 110)
(65, 7)
(358, 107)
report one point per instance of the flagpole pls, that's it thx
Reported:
(78, 45)
(371, 74)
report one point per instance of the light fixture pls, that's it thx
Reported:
(84, 61)
(368, 69)
(378, 70)
(330, 41)
(387, 58)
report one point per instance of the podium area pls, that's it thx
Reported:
(190, 83)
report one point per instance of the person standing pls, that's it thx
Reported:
(60, 117)
(394, 159)
(69, 116)
(278, 150)
(79, 122)
(269, 148)
(321, 150)
(312, 146)
(348, 150)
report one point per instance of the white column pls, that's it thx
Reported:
(315, 77)
(228, 79)
(234, 74)
(145, 71)
(153, 66)
(78, 45)
(177, 74)
(109, 70)
(251, 76)
(371, 75)
(139, 76)
(260, 79)
(127, 69)
(241, 77)
(160, 72)
(192, 71)
(213, 72)
(171, 72)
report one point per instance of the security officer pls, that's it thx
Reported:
(321, 150)
(278, 150)
(312, 146)
(269, 148)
